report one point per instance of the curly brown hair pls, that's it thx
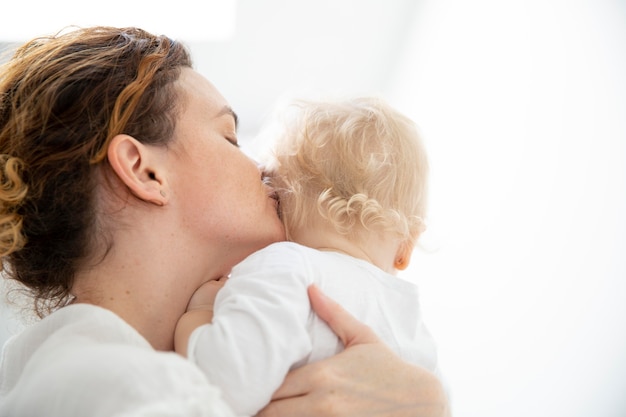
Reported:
(62, 99)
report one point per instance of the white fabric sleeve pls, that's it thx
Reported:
(112, 381)
(259, 328)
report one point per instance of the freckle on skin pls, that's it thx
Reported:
(127, 292)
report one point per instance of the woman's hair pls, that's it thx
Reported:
(359, 164)
(62, 99)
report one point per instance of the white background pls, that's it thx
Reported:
(522, 105)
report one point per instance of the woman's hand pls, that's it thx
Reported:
(366, 379)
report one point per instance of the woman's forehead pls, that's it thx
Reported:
(200, 92)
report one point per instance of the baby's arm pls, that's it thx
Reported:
(199, 312)
(259, 329)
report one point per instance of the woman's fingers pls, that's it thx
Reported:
(348, 329)
(367, 379)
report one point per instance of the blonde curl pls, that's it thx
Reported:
(359, 164)
(359, 212)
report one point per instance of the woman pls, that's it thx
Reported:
(123, 191)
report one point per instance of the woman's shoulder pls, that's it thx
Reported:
(91, 358)
(73, 342)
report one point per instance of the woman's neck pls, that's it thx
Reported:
(149, 292)
(133, 303)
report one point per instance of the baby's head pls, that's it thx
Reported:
(358, 165)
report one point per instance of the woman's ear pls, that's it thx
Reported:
(137, 166)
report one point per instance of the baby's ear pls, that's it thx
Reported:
(403, 255)
(139, 168)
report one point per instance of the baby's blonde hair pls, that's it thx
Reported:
(357, 163)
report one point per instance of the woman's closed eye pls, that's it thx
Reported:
(233, 141)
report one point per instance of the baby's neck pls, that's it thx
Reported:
(379, 250)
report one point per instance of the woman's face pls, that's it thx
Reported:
(223, 202)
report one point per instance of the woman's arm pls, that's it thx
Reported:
(366, 379)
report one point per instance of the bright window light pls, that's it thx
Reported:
(184, 20)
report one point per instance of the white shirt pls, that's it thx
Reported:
(263, 324)
(85, 361)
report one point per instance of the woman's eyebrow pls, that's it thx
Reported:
(229, 110)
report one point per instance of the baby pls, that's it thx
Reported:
(352, 181)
